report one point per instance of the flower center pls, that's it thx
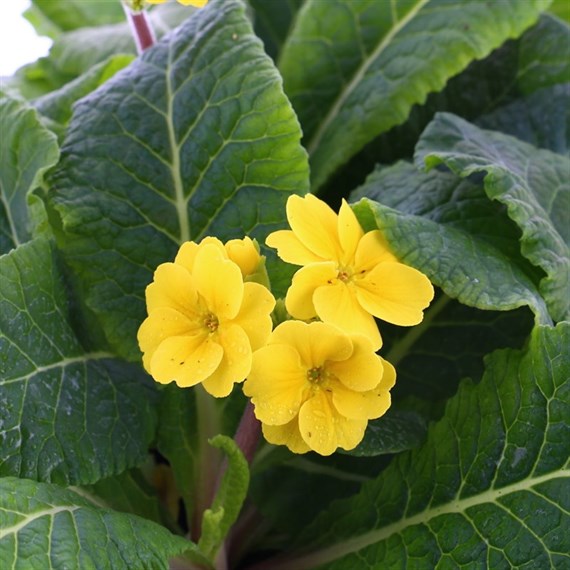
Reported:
(315, 375)
(344, 274)
(211, 322)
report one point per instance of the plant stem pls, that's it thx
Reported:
(141, 29)
(248, 433)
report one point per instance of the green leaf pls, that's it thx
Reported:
(561, 8)
(44, 526)
(66, 416)
(195, 138)
(66, 15)
(29, 150)
(466, 267)
(531, 183)
(273, 21)
(353, 70)
(488, 489)
(392, 433)
(229, 498)
(541, 119)
(57, 105)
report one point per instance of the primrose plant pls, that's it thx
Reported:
(284, 286)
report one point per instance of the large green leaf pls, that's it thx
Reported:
(355, 69)
(272, 21)
(28, 151)
(466, 267)
(195, 138)
(66, 416)
(64, 15)
(489, 489)
(46, 527)
(533, 184)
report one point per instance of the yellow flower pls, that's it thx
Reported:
(348, 276)
(315, 387)
(204, 322)
(195, 3)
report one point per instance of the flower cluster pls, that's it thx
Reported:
(314, 384)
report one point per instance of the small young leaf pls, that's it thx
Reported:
(488, 489)
(66, 416)
(531, 183)
(29, 150)
(46, 527)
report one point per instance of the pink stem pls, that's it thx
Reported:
(248, 433)
(141, 28)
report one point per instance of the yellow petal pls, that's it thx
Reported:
(287, 434)
(349, 232)
(372, 250)
(315, 224)
(337, 304)
(219, 281)
(324, 429)
(245, 254)
(162, 324)
(316, 343)
(299, 299)
(187, 253)
(363, 370)
(235, 364)
(195, 3)
(360, 405)
(172, 287)
(291, 249)
(395, 293)
(388, 378)
(254, 316)
(187, 360)
(277, 384)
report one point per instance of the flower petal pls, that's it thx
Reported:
(245, 254)
(337, 304)
(172, 287)
(363, 370)
(324, 429)
(372, 250)
(299, 299)
(219, 281)
(187, 253)
(360, 405)
(316, 343)
(291, 249)
(235, 363)
(395, 293)
(350, 232)
(389, 377)
(277, 384)
(187, 360)
(254, 316)
(287, 434)
(315, 224)
(160, 325)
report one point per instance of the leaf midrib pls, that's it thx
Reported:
(315, 141)
(357, 543)
(29, 519)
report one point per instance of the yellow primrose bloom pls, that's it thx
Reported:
(195, 3)
(315, 387)
(203, 321)
(349, 276)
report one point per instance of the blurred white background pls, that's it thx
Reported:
(19, 43)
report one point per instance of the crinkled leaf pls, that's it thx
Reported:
(229, 498)
(218, 153)
(533, 184)
(541, 119)
(44, 526)
(466, 267)
(56, 106)
(28, 151)
(273, 21)
(489, 488)
(394, 432)
(353, 70)
(66, 416)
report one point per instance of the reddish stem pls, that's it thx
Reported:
(248, 433)
(141, 28)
